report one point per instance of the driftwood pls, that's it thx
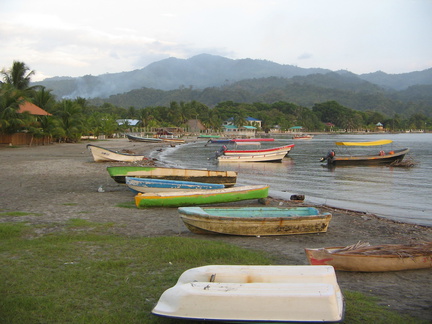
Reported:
(407, 250)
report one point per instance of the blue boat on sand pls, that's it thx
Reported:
(145, 185)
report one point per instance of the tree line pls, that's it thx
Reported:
(72, 118)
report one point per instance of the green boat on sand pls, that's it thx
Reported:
(200, 197)
(119, 174)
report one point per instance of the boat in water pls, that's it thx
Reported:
(381, 157)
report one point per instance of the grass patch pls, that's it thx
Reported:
(70, 204)
(18, 214)
(92, 276)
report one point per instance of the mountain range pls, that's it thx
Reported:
(209, 71)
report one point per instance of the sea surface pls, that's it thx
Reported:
(401, 194)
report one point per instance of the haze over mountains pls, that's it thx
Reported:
(204, 71)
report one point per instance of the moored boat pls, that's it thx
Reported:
(241, 293)
(379, 158)
(254, 221)
(302, 136)
(200, 197)
(260, 157)
(101, 154)
(119, 174)
(285, 148)
(137, 185)
(366, 258)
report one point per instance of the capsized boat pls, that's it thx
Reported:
(366, 258)
(137, 185)
(258, 293)
(254, 221)
(101, 154)
(119, 174)
(260, 157)
(200, 197)
(380, 157)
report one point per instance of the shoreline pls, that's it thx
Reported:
(60, 182)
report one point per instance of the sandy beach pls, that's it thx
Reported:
(60, 181)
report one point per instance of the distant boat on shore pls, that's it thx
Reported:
(134, 138)
(101, 154)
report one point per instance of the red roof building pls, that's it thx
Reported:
(32, 109)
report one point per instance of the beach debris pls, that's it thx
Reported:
(297, 197)
(100, 189)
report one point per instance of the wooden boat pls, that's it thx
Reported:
(101, 154)
(257, 293)
(302, 137)
(267, 157)
(254, 221)
(381, 157)
(119, 173)
(200, 197)
(285, 148)
(366, 258)
(134, 138)
(137, 185)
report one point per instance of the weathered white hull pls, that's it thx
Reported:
(101, 154)
(286, 149)
(268, 157)
(255, 293)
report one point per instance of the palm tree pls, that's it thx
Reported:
(18, 76)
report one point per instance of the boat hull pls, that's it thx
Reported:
(397, 156)
(254, 221)
(133, 138)
(101, 154)
(254, 294)
(368, 263)
(286, 149)
(137, 185)
(268, 157)
(200, 197)
(227, 178)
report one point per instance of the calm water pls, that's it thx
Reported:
(398, 193)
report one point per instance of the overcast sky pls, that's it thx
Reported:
(80, 37)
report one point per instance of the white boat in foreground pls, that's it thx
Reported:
(254, 294)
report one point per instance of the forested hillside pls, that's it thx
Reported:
(348, 90)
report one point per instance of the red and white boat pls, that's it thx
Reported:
(280, 149)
